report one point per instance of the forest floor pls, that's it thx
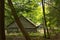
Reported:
(56, 37)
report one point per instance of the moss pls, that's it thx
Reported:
(20, 34)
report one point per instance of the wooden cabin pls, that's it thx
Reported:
(28, 25)
(40, 27)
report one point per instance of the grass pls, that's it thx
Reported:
(20, 34)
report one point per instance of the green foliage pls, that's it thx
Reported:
(8, 15)
(35, 16)
(20, 34)
(54, 13)
(29, 8)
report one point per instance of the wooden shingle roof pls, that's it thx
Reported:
(23, 20)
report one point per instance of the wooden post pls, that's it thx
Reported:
(2, 30)
(26, 35)
(45, 22)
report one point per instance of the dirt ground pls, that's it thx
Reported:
(56, 37)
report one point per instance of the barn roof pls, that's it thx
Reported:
(26, 20)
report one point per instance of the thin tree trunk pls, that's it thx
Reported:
(45, 22)
(26, 35)
(2, 30)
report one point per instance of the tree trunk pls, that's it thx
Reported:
(26, 35)
(2, 30)
(45, 22)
